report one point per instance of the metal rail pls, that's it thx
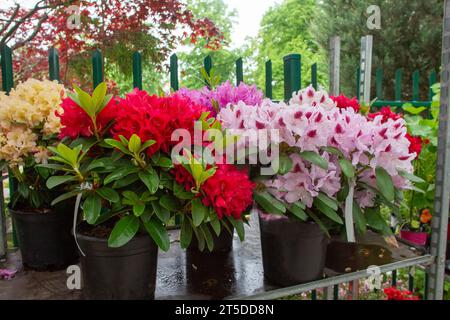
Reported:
(335, 280)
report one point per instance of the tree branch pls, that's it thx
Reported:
(13, 16)
(33, 34)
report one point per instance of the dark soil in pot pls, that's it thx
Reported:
(293, 251)
(128, 272)
(343, 256)
(45, 238)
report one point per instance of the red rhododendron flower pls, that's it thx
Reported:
(415, 144)
(387, 113)
(76, 122)
(344, 102)
(183, 177)
(156, 118)
(229, 191)
(395, 294)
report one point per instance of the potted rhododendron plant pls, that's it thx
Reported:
(334, 168)
(121, 163)
(28, 124)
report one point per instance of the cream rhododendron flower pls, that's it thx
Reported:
(27, 114)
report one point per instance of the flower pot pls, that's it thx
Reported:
(293, 251)
(127, 272)
(419, 238)
(45, 239)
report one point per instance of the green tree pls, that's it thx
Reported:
(286, 28)
(409, 38)
(191, 59)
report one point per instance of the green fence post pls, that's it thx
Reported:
(97, 68)
(314, 75)
(410, 280)
(432, 80)
(239, 71)
(336, 292)
(292, 74)
(174, 72)
(398, 84)
(394, 278)
(269, 79)
(415, 87)
(8, 84)
(7, 69)
(207, 63)
(358, 79)
(313, 295)
(137, 70)
(53, 64)
(379, 83)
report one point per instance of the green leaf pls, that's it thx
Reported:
(65, 196)
(268, 203)
(120, 173)
(124, 230)
(86, 102)
(150, 178)
(314, 158)
(108, 194)
(239, 226)
(298, 211)
(23, 189)
(374, 219)
(411, 177)
(359, 218)
(215, 224)
(98, 95)
(413, 110)
(326, 210)
(92, 207)
(164, 162)
(333, 150)
(138, 209)
(126, 181)
(285, 164)
(52, 166)
(147, 144)
(170, 202)
(158, 233)
(384, 183)
(328, 201)
(57, 180)
(347, 168)
(116, 144)
(134, 145)
(208, 236)
(199, 212)
(185, 233)
(180, 193)
(162, 213)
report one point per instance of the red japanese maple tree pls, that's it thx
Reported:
(117, 27)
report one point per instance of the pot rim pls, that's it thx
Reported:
(51, 211)
(105, 240)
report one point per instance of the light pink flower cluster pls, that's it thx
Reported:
(311, 121)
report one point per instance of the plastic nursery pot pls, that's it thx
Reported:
(127, 272)
(293, 252)
(419, 238)
(45, 239)
(222, 243)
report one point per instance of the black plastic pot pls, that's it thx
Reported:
(128, 272)
(293, 252)
(45, 239)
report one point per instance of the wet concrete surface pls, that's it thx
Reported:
(180, 276)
